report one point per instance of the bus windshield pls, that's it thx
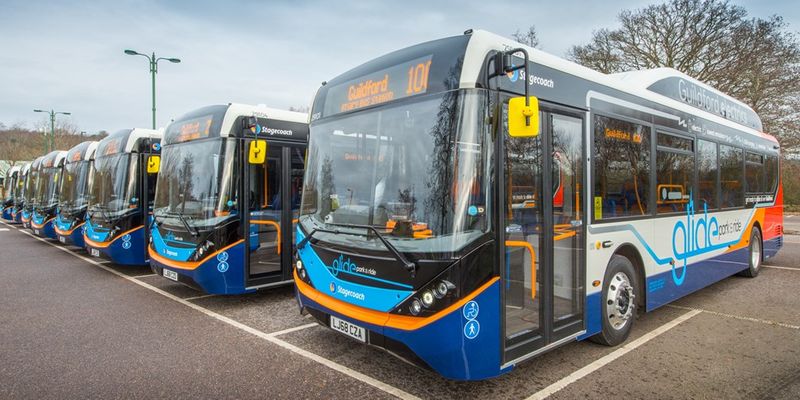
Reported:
(47, 187)
(73, 196)
(114, 186)
(30, 188)
(19, 192)
(195, 183)
(415, 170)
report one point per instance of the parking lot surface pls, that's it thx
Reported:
(75, 327)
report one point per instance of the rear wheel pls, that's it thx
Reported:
(755, 254)
(619, 302)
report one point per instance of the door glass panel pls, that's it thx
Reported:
(265, 213)
(567, 227)
(523, 239)
(296, 182)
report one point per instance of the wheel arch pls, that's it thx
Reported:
(630, 252)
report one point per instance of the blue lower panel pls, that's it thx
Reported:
(46, 231)
(772, 246)
(663, 289)
(222, 274)
(594, 323)
(128, 249)
(7, 215)
(445, 345)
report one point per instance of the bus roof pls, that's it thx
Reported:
(124, 140)
(82, 152)
(54, 158)
(649, 85)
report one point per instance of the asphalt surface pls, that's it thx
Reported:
(70, 328)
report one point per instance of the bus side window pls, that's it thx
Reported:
(622, 161)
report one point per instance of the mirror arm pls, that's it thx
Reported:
(508, 68)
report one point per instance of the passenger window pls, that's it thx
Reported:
(754, 173)
(674, 173)
(707, 174)
(731, 170)
(771, 168)
(622, 165)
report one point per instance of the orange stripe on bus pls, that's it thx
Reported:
(106, 244)
(37, 226)
(379, 318)
(69, 232)
(187, 265)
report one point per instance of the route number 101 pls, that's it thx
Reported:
(418, 78)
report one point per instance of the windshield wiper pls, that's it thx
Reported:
(408, 265)
(189, 228)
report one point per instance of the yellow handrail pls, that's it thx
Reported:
(517, 243)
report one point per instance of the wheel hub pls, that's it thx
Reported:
(620, 302)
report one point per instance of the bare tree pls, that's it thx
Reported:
(755, 60)
(528, 37)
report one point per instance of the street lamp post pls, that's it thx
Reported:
(153, 61)
(52, 128)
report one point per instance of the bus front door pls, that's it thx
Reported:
(543, 279)
(273, 202)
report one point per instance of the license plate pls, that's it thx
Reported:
(169, 274)
(35, 231)
(354, 331)
(94, 252)
(62, 239)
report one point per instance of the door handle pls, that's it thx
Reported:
(526, 245)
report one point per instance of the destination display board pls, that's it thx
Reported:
(393, 83)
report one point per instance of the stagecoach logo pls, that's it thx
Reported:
(693, 237)
(332, 287)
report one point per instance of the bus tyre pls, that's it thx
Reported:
(754, 253)
(618, 299)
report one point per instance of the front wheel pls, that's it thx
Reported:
(619, 302)
(754, 252)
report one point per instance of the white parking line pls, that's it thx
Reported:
(739, 317)
(4, 229)
(295, 329)
(605, 360)
(268, 337)
(142, 276)
(777, 267)
(198, 297)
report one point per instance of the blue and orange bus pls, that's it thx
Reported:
(31, 181)
(47, 188)
(121, 196)
(429, 225)
(19, 193)
(228, 198)
(13, 175)
(74, 194)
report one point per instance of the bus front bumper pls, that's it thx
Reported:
(445, 345)
(127, 248)
(220, 273)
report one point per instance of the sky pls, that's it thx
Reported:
(68, 55)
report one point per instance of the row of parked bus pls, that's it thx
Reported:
(219, 167)
(465, 203)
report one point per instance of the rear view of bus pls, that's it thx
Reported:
(31, 183)
(19, 193)
(74, 194)
(228, 195)
(9, 190)
(47, 192)
(121, 196)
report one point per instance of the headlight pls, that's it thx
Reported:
(427, 299)
(415, 307)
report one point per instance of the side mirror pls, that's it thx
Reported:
(523, 121)
(153, 164)
(257, 152)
